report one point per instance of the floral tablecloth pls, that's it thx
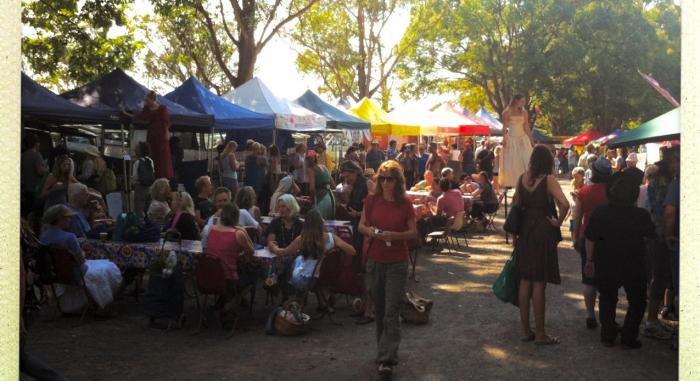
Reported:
(140, 255)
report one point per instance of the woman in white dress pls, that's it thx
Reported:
(517, 143)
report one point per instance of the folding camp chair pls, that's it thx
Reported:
(413, 247)
(68, 271)
(491, 216)
(438, 235)
(456, 227)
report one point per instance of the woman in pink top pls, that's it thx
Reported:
(450, 202)
(228, 242)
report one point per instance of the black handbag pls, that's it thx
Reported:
(514, 220)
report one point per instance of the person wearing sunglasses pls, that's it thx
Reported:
(388, 221)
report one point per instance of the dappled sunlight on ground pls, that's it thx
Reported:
(465, 286)
(499, 353)
(471, 335)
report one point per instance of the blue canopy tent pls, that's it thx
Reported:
(117, 90)
(336, 118)
(227, 116)
(239, 123)
(540, 138)
(42, 105)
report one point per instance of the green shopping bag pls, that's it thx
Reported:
(506, 286)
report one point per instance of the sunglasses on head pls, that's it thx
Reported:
(386, 178)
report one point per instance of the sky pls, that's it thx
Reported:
(276, 65)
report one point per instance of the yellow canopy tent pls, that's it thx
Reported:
(382, 123)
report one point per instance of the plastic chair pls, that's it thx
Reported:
(67, 270)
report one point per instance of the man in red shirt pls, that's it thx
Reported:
(588, 199)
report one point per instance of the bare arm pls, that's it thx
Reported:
(670, 222)
(363, 228)
(256, 213)
(343, 246)
(40, 169)
(311, 180)
(245, 242)
(554, 189)
(48, 185)
(295, 188)
(578, 219)
(292, 249)
(232, 162)
(589, 269)
(271, 238)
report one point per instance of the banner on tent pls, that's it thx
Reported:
(299, 122)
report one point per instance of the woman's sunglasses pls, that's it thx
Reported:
(386, 178)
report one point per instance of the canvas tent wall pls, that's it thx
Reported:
(117, 90)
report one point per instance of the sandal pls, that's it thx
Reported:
(549, 341)
(528, 338)
(364, 320)
(385, 371)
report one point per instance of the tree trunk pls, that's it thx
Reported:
(363, 86)
(247, 56)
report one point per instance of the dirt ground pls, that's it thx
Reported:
(471, 335)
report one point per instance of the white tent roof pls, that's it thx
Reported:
(254, 95)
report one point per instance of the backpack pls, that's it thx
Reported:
(108, 181)
(146, 175)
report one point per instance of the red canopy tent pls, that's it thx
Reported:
(583, 138)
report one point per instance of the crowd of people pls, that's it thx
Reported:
(625, 226)
(610, 227)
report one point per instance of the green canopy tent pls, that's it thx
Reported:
(664, 127)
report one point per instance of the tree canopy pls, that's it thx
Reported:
(66, 44)
(578, 59)
(180, 48)
(343, 43)
(245, 25)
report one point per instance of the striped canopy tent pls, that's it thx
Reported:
(583, 138)
(382, 123)
(484, 116)
(468, 125)
(443, 121)
(605, 139)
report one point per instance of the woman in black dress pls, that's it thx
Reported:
(536, 245)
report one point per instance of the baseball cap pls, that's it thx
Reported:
(56, 212)
(632, 157)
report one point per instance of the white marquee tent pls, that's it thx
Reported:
(255, 95)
